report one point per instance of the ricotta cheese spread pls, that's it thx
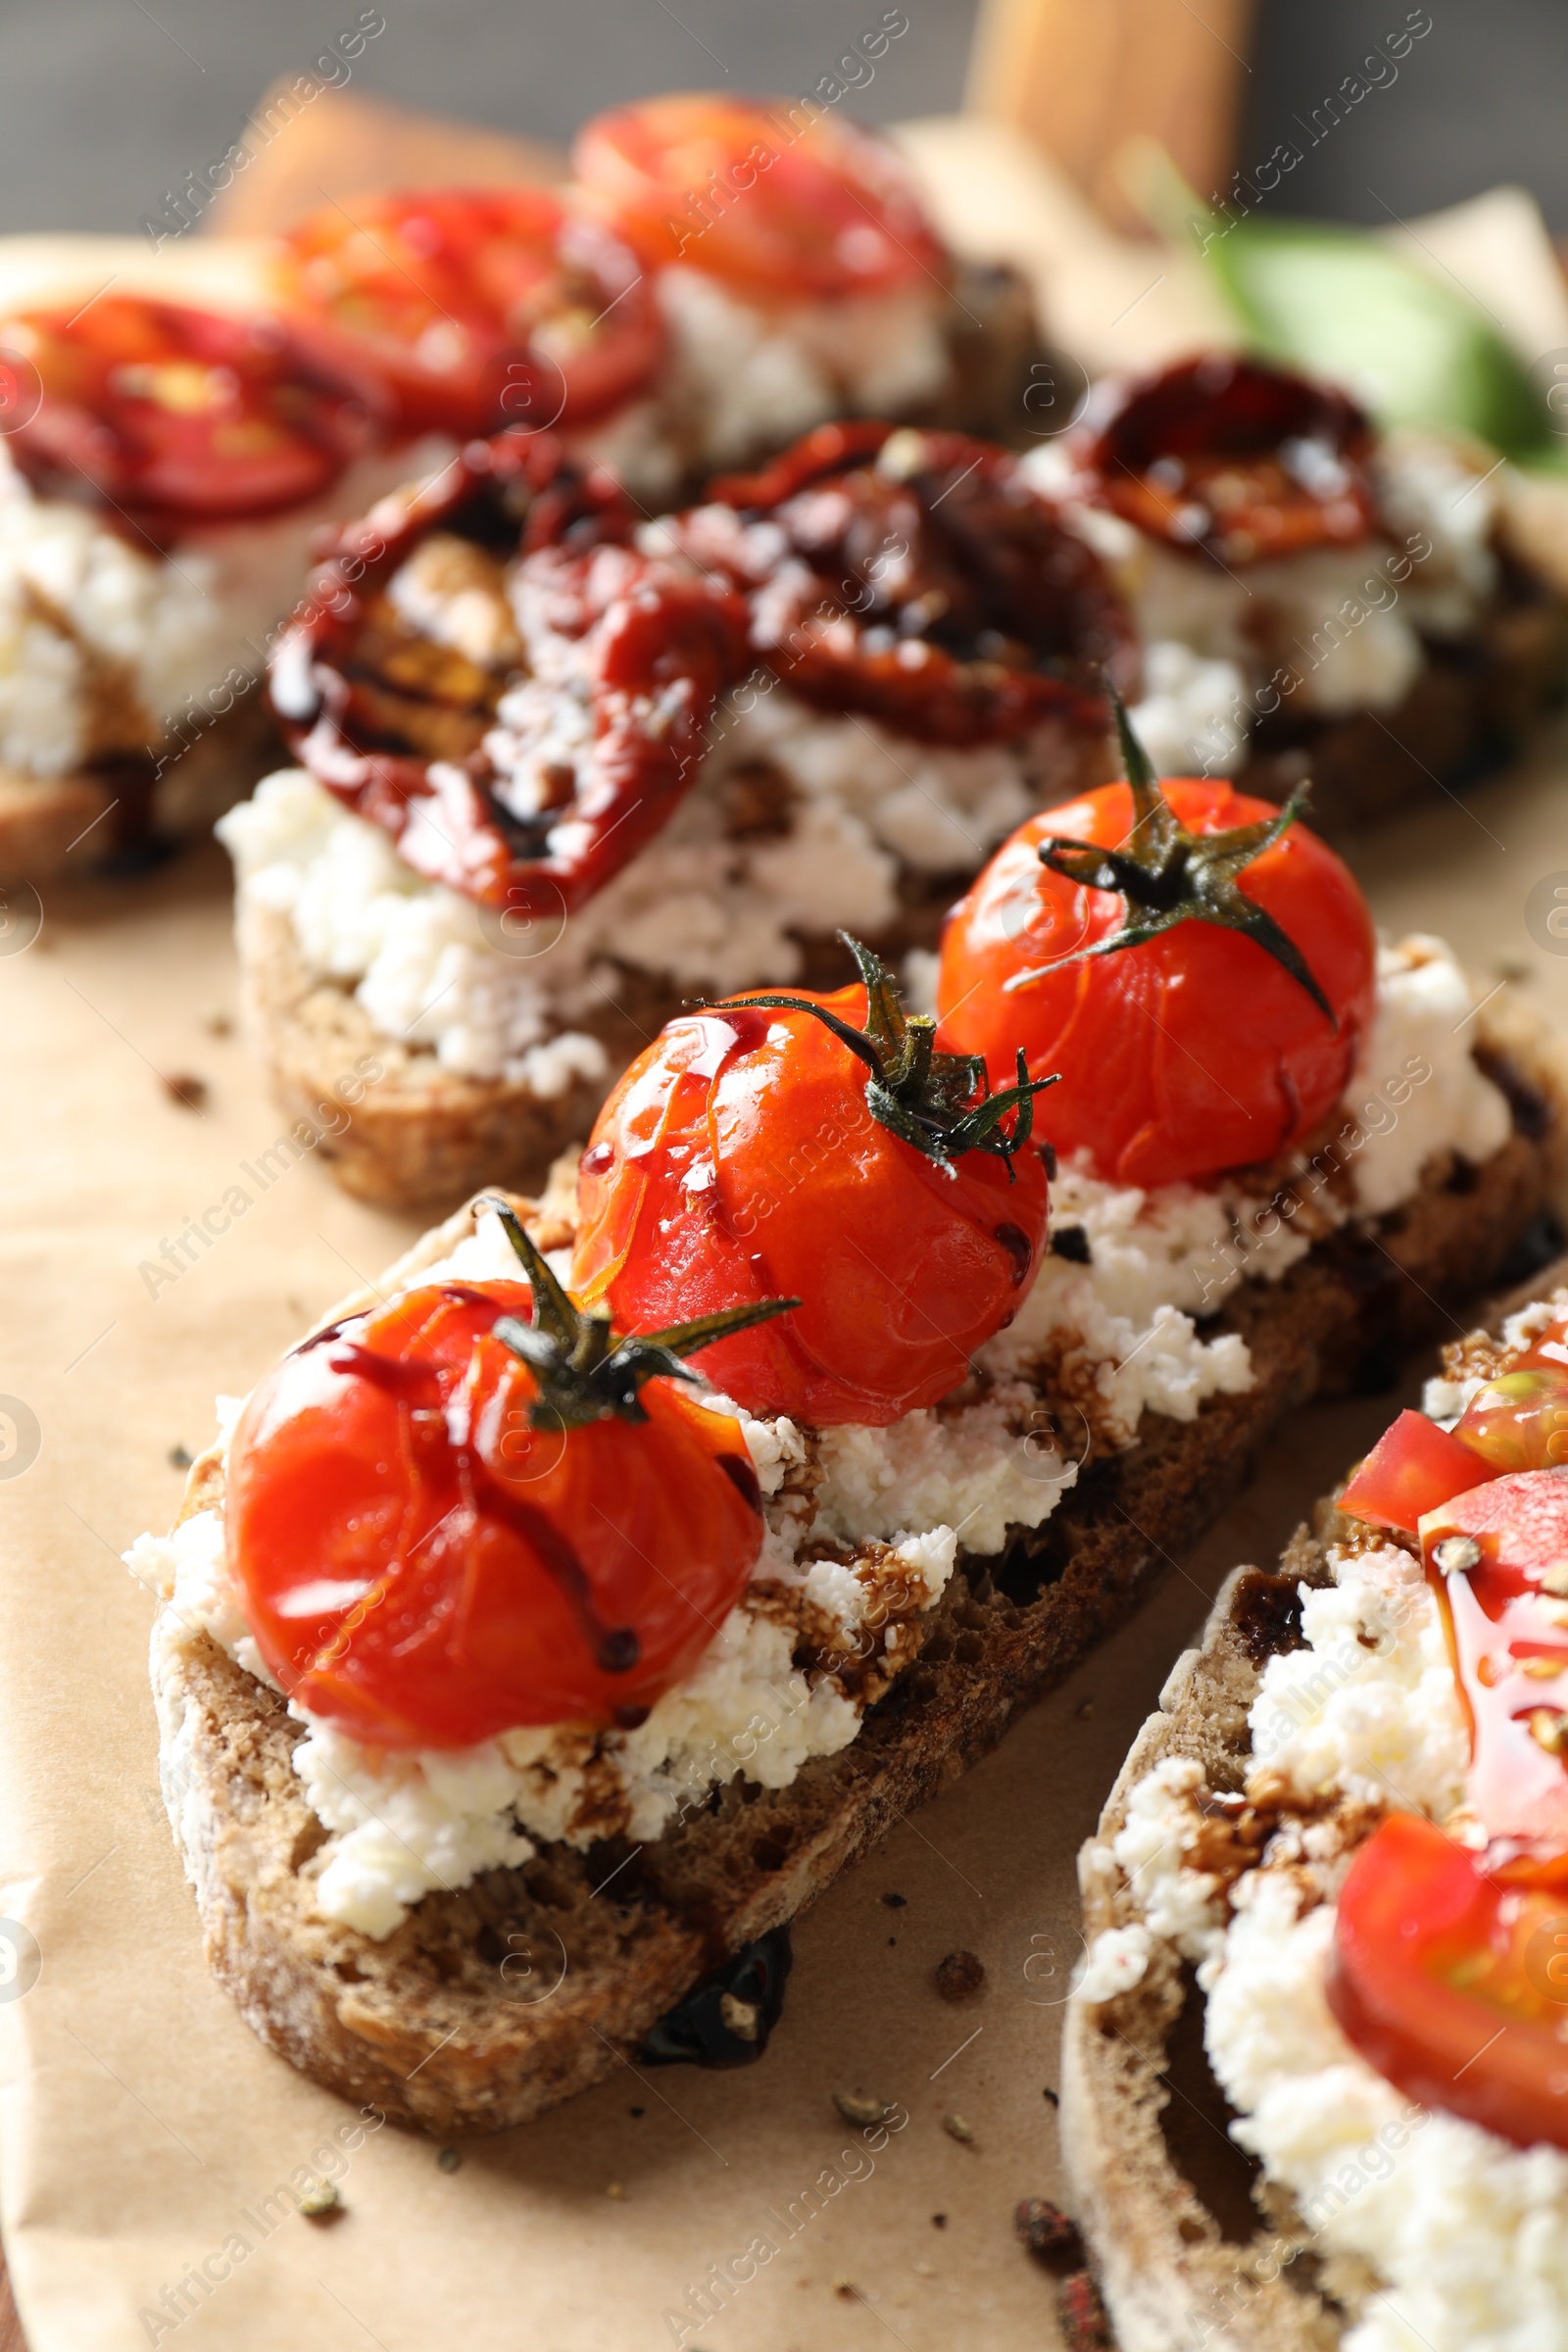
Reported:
(1329, 633)
(745, 378)
(1466, 2233)
(862, 1525)
(799, 822)
(109, 647)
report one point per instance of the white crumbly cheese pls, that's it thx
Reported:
(1157, 1262)
(108, 646)
(1368, 1707)
(1330, 632)
(710, 910)
(1177, 1904)
(1419, 1090)
(1467, 2234)
(971, 1473)
(743, 379)
(1191, 718)
(1436, 487)
(1117, 1960)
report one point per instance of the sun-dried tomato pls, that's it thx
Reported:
(1235, 460)
(917, 577)
(648, 643)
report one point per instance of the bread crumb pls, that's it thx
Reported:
(189, 1091)
(319, 2200)
(957, 2128)
(179, 1457)
(617, 2191)
(895, 1902)
(1081, 2314)
(741, 2018)
(960, 1976)
(856, 2109)
(218, 1023)
(448, 2161)
(1046, 2229)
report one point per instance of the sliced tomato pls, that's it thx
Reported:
(156, 406)
(1412, 1469)
(1453, 1983)
(482, 306)
(775, 196)
(1498, 1558)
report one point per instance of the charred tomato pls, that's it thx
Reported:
(917, 577)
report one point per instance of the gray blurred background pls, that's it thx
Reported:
(106, 103)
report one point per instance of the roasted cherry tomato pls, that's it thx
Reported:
(781, 206)
(1196, 964)
(1453, 1983)
(478, 1508)
(1236, 460)
(481, 306)
(649, 646)
(1412, 1469)
(779, 1141)
(162, 409)
(1498, 1558)
(920, 577)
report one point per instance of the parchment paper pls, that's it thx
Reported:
(144, 2131)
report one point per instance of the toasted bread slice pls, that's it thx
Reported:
(62, 829)
(1187, 2249)
(1466, 711)
(421, 1136)
(423, 2023)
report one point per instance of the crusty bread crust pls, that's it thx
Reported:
(56, 828)
(1171, 2274)
(1466, 710)
(426, 2024)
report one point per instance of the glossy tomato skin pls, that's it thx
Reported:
(741, 189)
(1508, 1643)
(1412, 1469)
(737, 1161)
(1452, 1985)
(1192, 1054)
(425, 1569)
(482, 308)
(172, 411)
